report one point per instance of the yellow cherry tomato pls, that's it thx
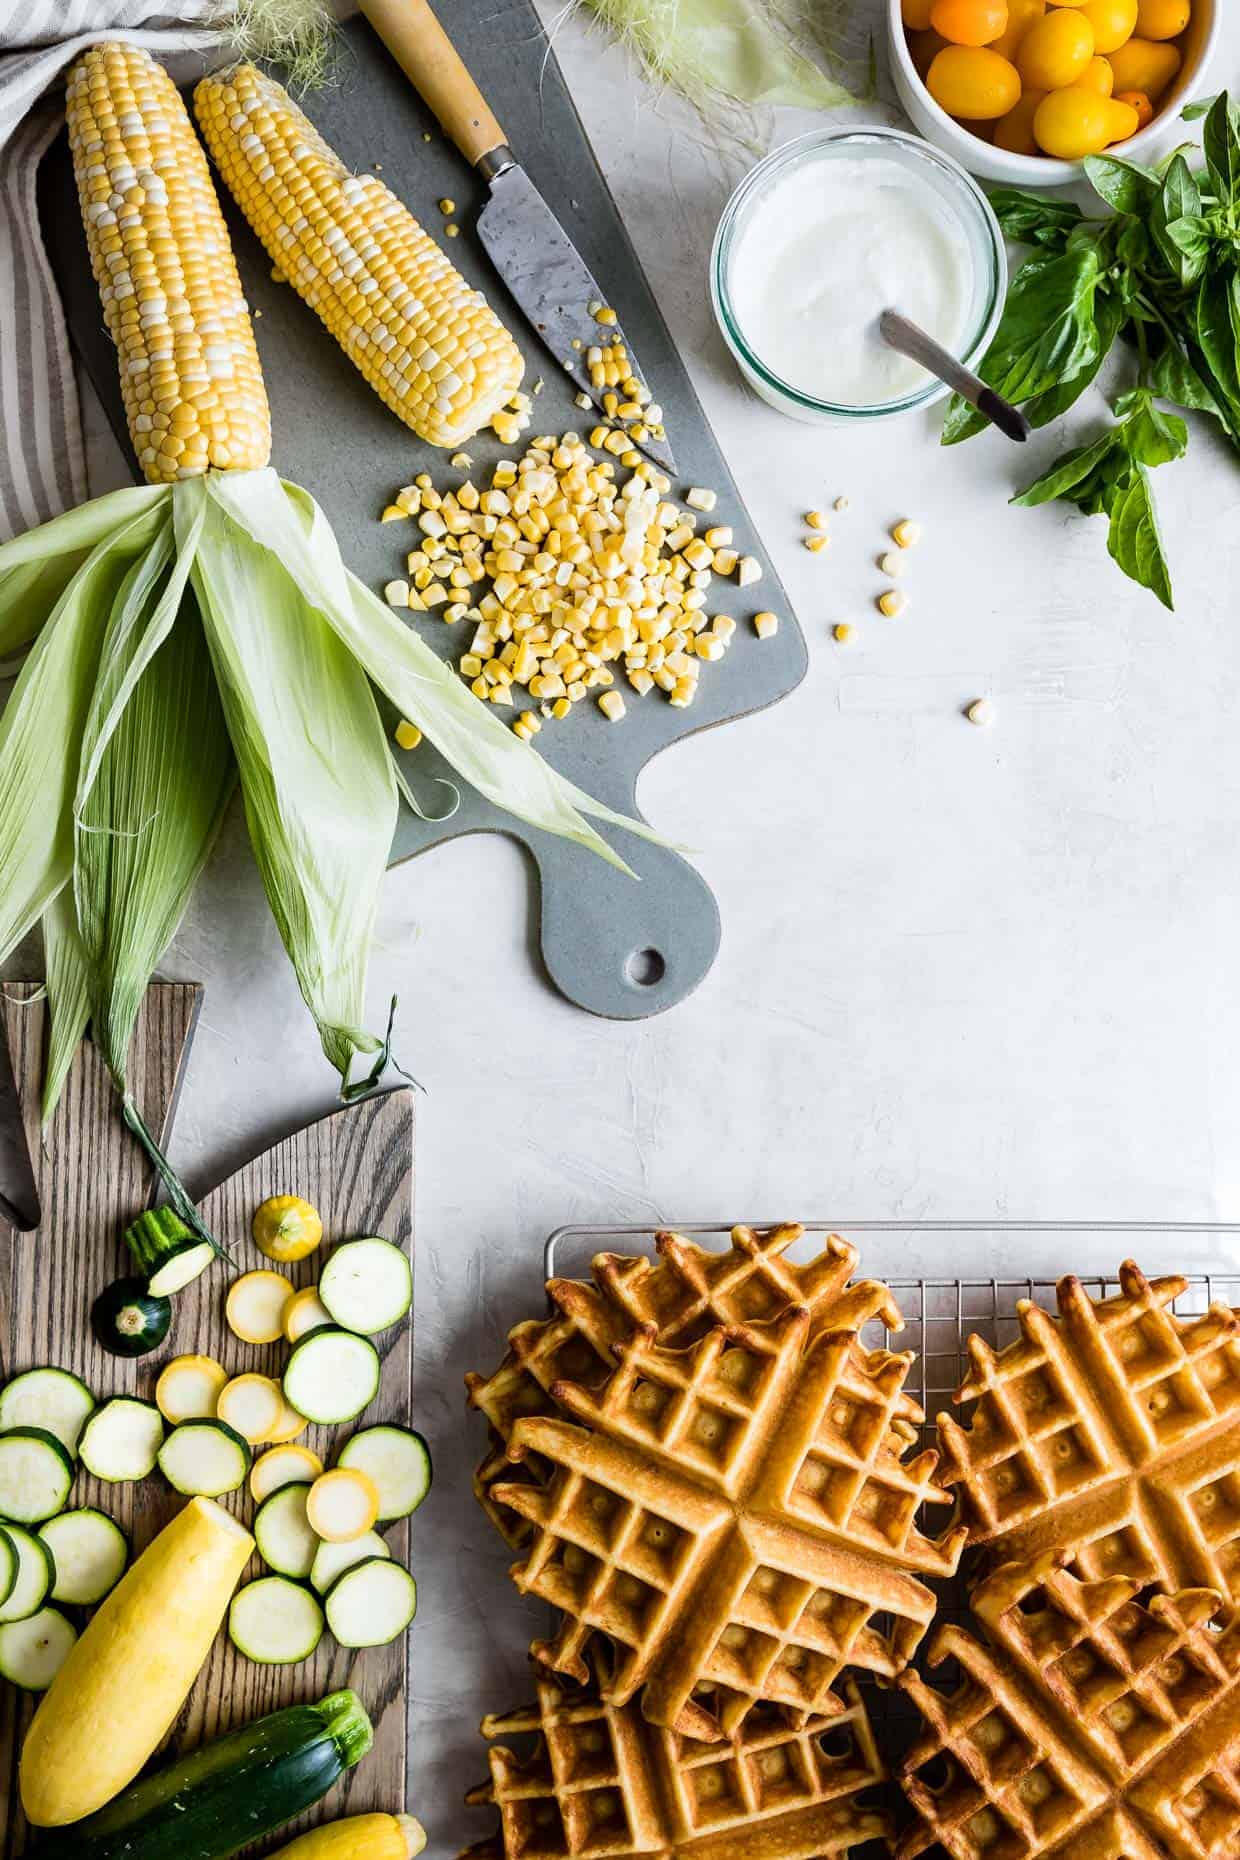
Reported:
(924, 48)
(969, 22)
(916, 14)
(1162, 19)
(1123, 120)
(1014, 132)
(970, 81)
(1146, 65)
(1140, 103)
(1072, 123)
(1113, 22)
(1055, 50)
(1098, 76)
(1021, 15)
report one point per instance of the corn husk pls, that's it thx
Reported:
(68, 994)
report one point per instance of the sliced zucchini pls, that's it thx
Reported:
(122, 1439)
(332, 1375)
(342, 1505)
(189, 1387)
(398, 1460)
(167, 1253)
(33, 1651)
(280, 1466)
(204, 1459)
(331, 1560)
(252, 1405)
(36, 1472)
(284, 1535)
(52, 1399)
(275, 1622)
(371, 1604)
(254, 1308)
(36, 1573)
(89, 1551)
(367, 1285)
(8, 1565)
(288, 1427)
(304, 1312)
(129, 1320)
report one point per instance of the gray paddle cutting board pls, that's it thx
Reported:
(615, 947)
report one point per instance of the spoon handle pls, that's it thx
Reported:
(898, 333)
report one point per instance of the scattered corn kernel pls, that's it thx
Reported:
(725, 561)
(766, 625)
(891, 563)
(723, 626)
(392, 513)
(981, 712)
(408, 735)
(396, 594)
(892, 603)
(816, 519)
(604, 314)
(906, 533)
(841, 503)
(447, 206)
(460, 461)
(718, 536)
(612, 706)
(817, 543)
(699, 498)
(843, 632)
(748, 570)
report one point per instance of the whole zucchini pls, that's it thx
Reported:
(208, 1803)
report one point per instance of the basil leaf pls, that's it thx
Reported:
(1193, 112)
(1180, 192)
(1069, 472)
(1151, 436)
(1109, 316)
(1048, 333)
(961, 422)
(1173, 377)
(1220, 143)
(1214, 329)
(1124, 185)
(1032, 219)
(1133, 539)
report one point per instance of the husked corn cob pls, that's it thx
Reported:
(429, 345)
(160, 252)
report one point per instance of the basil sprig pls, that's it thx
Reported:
(1161, 273)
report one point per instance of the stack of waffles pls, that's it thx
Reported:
(1100, 1475)
(708, 1476)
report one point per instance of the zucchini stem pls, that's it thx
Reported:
(171, 1180)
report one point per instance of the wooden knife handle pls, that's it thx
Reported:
(433, 66)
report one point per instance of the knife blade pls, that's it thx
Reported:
(541, 267)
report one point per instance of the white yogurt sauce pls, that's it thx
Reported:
(825, 250)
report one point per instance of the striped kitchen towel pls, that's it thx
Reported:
(42, 466)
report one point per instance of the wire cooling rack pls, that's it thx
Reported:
(939, 1316)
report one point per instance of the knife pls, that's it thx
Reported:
(543, 270)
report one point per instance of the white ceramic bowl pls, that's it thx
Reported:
(982, 158)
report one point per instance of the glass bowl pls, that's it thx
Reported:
(941, 176)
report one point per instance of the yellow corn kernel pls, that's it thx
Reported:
(748, 570)
(447, 207)
(396, 594)
(817, 543)
(470, 665)
(392, 514)
(843, 632)
(892, 603)
(561, 708)
(891, 563)
(905, 533)
(723, 626)
(725, 561)
(718, 536)
(707, 646)
(766, 625)
(612, 706)
(816, 519)
(408, 735)
(699, 498)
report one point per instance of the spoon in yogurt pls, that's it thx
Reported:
(898, 333)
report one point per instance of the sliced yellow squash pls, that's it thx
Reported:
(342, 1505)
(252, 1405)
(255, 1306)
(189, 1387)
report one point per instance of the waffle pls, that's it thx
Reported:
(601, 1783)
(688, 1291)
(1090, 1728)
(1113, 1428)
(732, 1518)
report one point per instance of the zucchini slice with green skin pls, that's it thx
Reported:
(204, 1459)
(167, 1253)
(371, 1604)
(332, 1375)
(53, 1399)
(283, 1533)
(9, 1565)
(36, 1471)
(121, 1441)
(218, 1798)
(399, 1462)
(275, 1622)
(36, 1573)
(33, 1651)
(367, 1285)
(128, 1319)
(331, 1560)
(90, 1552)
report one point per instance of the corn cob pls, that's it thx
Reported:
(172, 300)
(429, 345)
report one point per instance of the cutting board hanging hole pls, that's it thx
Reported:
(645, 968)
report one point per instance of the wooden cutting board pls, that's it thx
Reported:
(356, 1167)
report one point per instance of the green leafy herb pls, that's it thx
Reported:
(1161, 273)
